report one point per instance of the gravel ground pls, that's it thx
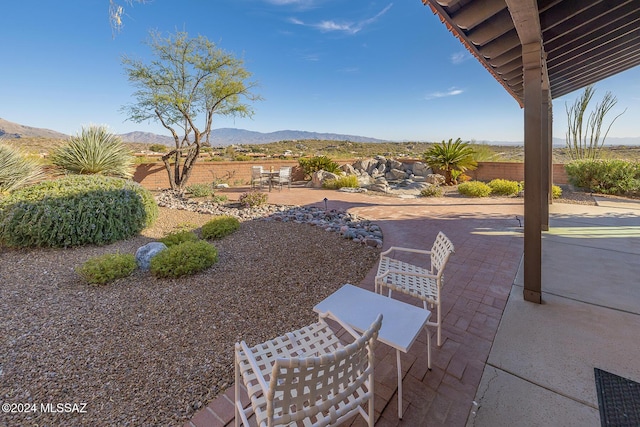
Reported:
(144, 351)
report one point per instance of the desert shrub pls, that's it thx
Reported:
(504, 187)
(184, 259)
(107, 268)
(317, 163)
(219, 198)
(17, 170)
(177, 237)
(200, 190)
(94, 151)
(350, 181)
(75, 210)
(474, 189)
(617, 177)
(252, 198)
(242, 158)
(158, 148)
(432, 191)
(556, 192)
(220, 226)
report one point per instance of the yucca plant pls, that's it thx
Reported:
(94, 150)
(450, 156)
(17, 170)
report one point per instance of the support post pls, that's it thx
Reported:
(532, 70)
(545, 145)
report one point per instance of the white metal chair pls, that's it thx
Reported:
(307, 377)
(257, 177)
(423, 282)
(284, 177)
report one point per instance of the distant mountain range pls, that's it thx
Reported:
(229, 136)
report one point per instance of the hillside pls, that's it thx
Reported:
(14, 130)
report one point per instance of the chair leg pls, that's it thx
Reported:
(439, 326)
(237, 395)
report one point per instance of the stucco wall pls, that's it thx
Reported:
(154, 176)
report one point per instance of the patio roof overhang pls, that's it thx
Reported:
(539, 50)
(583, 41)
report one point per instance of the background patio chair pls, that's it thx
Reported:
(284, 177)
(307, 376)
(257, 179)
(397, 272)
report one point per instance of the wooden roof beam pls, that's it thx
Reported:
(491, 29)
(475, 13)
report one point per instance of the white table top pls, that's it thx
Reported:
(401, 322)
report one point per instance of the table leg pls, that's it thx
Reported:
(399, 384)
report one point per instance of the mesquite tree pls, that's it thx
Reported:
(189, 78)
(583, 138)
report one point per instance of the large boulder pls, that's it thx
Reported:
(317, 178)
(148, 251)
(435, 179)
(421, 169)
(396, 174)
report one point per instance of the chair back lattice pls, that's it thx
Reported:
(440, 252)
(285, 172)
(323, 387)
(256, 172)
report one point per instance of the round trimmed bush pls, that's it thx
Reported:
(474, 189)
(184, 259)
(504, 187)
(107, 268)
(556, 192)
(220, 226)
(252, 199)
(177, 237)
(75, 210)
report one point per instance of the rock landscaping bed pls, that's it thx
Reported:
(144, 351)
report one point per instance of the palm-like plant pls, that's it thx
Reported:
(94, 151)
(451, 156)
(16, 170)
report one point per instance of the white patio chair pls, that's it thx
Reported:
(422, 282)
(257, 177)
(307, 377)
(284, 177)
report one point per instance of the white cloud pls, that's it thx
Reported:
(459, 57)
(345, 26)
(453, 91)
(312, 57)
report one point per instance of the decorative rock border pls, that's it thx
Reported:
(348, 225)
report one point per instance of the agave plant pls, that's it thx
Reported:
(17, 170)
(94, 150)
(451, 156)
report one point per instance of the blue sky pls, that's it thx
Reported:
(382, 69)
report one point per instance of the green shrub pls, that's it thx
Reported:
(220, 226)
(252, 198)
(242, 158)
(17, 170)
(350, 181)
(75, 210)
(219, 199)
(158, 148)
(183, 259)
(504, 187)
(474, 189)
(107, 268)
(176, 237)
(556, 192)
(314, 164)
(94, 151)
(200, 190)
(432, 191)
(617, 177)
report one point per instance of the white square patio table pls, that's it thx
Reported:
(401, 322)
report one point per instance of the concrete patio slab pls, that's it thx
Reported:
(509, 403)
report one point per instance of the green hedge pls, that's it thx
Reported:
(220, 226)
(75, 210)
(474, 189)
(618, 177)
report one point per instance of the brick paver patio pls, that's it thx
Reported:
(478, 279)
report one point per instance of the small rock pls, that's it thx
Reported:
(148, 251)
